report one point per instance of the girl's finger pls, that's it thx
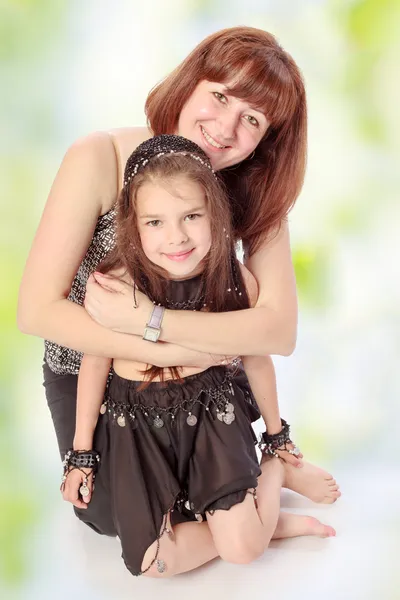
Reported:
(290, 459)
(72, 497)
(87, 499)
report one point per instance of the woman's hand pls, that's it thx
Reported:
(70, 488)
(110, 302)
(196, 362)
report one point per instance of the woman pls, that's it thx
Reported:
(241, 98)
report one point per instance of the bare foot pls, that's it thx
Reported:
(290, 525)
(310, 481)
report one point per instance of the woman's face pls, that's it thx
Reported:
(227, 128)
(174, 225)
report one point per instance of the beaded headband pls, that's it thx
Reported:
(158, 146)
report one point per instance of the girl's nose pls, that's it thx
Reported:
(177, 236)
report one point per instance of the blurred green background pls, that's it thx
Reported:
(68, 68)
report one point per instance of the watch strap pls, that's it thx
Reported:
(156, 317)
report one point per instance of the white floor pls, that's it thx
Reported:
(68, 561)
(361, 563)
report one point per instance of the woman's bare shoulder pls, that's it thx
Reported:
(106, 153)
(125, 141)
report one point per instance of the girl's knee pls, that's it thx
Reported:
(241, 548)
(242, 551)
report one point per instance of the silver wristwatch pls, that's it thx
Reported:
(153, 328)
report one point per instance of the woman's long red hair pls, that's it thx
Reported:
(258, 70)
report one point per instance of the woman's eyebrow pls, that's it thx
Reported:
(228, 91)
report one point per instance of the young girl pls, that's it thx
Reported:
(178, 444)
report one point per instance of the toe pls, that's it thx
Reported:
(328, 531)
(334, 494)
(331, 498)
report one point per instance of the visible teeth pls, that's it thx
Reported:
(210, 140)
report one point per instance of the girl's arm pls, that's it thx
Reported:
(268, 328)
(91, 386)
(86, 186)
(92, 381)
(260, 372)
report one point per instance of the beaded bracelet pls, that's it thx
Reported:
(269, 444)
(80, 459)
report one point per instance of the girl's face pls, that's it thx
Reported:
(174, 225)
(227, 128)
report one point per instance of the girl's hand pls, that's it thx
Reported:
(291, 459)
(109, 301)
(70, 489)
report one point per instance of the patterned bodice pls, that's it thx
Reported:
(63, 360)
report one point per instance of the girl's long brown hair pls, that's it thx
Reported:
(221, 269)
(259, 71)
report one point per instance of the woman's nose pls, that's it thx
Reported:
(227, 124)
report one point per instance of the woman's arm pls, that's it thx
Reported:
(92, 381)
(268, 328)
(86, 186)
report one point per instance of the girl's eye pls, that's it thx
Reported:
(220, 97)
(154, 223)
(192, 217)
(252, 120)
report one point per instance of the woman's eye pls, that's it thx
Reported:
(154, 223)
(192, 217)
(220, 97)
(252, 120)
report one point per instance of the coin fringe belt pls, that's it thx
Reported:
(216, 397)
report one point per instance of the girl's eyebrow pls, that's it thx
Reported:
(150, 216)
(185, 212)
(192, 210)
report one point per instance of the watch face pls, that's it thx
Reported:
(151, 334)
